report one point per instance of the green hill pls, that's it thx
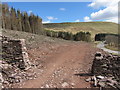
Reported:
(92, 27)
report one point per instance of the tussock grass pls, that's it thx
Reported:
(92, 27)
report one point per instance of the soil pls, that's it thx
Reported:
(56, 62)
(65, 65)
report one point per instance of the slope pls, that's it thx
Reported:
(92, 27)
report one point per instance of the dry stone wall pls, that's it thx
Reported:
(107, 69)
(108, 65)
(14, 62)
(15, 52)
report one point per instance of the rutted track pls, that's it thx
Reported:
(62, 67)
(101, 45)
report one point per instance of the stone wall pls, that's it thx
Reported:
(107, 66)
(15, 52)
(14, 62)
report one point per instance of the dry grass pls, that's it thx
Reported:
(112, 48)
(92, 27)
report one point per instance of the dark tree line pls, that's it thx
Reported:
(102, 36)
(16, 20)
(80, 36)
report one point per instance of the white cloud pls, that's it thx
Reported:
(46, 21)
(87, 19)
(51, 18)
(30, 11)
(103, 3)
(109, 13)
(62, 9)
(77, 20)
(106, 13)
(112, 20)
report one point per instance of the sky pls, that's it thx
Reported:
(57, 12)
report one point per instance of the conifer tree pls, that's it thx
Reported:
(6, 17)
(26, 22)
(19, 21)
(13, 19)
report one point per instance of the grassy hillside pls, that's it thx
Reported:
(92, 27)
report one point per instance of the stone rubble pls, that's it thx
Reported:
(106, 71)
(65, 84)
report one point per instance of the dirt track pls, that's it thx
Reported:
(61, 66)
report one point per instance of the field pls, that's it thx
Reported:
(92, 27)
(57, 63)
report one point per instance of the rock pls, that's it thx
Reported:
(111, 84)
(73, 84)
(17, 77)
(30, 78)
(5, 42)
(100, 77)
(6, 66)
(101, 84)
(1, 78)
(98, 54)
(112, 81)
(104, 66)
(65, 84)
(5, 82)
(2, 87)
(110, 78)
(17, 80)
(42, 87)
(99, 58)
(88, 79)
(118, 86)
(47, 86)
(11, 80)
(103, 80)
(95, 81)
(110, 55)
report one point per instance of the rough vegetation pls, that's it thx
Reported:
(113, 42)
(92, 27)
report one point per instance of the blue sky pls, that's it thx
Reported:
(56, 12)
